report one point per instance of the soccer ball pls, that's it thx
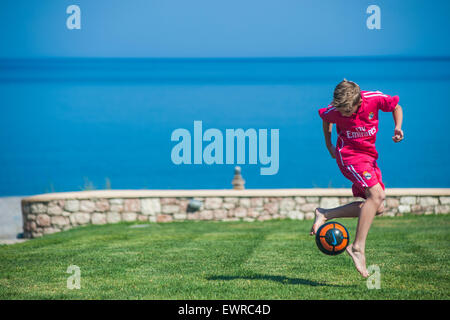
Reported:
(332, 238)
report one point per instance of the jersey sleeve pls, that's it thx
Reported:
(328, 114)
(387, 103)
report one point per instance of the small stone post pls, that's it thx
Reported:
(238, 182)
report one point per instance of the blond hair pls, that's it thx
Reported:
(346, 94)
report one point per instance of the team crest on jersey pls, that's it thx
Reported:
(370, 115)
(367, 175)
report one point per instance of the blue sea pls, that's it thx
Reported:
(76, 124)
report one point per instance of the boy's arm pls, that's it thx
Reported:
(327, 129)
(398, 120)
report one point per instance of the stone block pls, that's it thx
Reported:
(256, 202)
(36, 234)
(30, 226)
(392, 202)
(206, 215)
(150, 207)
(73, 220)
(113, 217)
(116, 201)
(102, 205)
(245, 203)
(287, 204)
(82, 217)
(43, 220)
(312, 199)
(193, 216)
(300, 200)
(309, 215)
(129, 216)
(25, 208)
(264, 217)
(170, 208)
(50, 230)
(59, 221)
(38, 207)
(240, 212)
(308, 207)
(132, 205)
(329, 202)
(213, 203)
(234, 200)
(87, 206)
(168, 201)
(428, 201)
(271, 207)
(54, 210)
(164, 218)
(220, 214)
(180, 216)
(409, 200)
(296, 215)
(142, 218)
(183, 204)
(116, 208)
(442, 209)
(98, 218)
(228, 205)
(71, 205)
(390, 213)
(444, 200)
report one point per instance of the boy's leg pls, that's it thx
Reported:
(363, 175)
(368, 210)
(350, 210)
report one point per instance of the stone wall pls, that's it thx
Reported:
(53, 212)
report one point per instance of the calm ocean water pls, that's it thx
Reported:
(71, 124)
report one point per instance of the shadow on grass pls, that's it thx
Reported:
(280, 279)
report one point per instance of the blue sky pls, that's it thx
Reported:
(231, 28)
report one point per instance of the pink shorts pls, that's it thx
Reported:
(364, 174)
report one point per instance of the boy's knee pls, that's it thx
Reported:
(381, 197)
(377, 194)
(380, 209)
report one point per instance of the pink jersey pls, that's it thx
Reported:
(357, 133)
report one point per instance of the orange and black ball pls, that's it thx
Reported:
(332, 238)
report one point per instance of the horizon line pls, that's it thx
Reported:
(275, 58)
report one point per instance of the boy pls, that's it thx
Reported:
(355, 114)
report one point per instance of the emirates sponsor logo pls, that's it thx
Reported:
(361, 132)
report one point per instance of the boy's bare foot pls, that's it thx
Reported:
(318, 221)
(358, 259)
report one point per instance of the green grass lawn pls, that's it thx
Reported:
(228, 260)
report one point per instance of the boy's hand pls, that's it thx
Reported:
(398, 135)
(332, 151)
